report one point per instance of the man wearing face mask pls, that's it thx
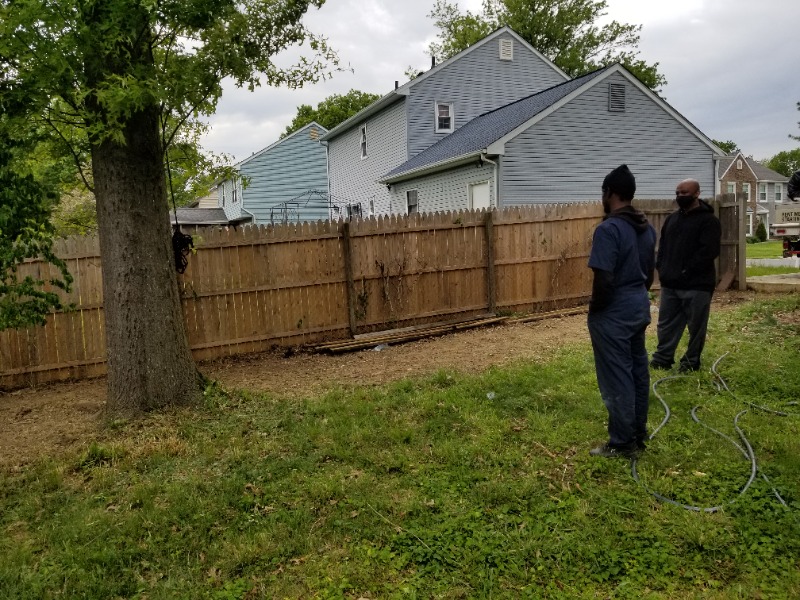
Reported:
(622, 260)
(690, 242)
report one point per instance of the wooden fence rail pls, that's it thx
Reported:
(249, 289)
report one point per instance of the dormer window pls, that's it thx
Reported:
(444, 117)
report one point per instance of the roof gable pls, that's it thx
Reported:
(274, 145)
(490, 131)
(399, 93)
(727, 162)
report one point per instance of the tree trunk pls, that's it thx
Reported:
(149, 362)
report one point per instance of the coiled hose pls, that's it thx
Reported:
(745, 448)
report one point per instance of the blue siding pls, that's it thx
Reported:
(475, 83)
(565, 156)
(285, 172)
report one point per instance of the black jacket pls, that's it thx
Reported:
(690, 242)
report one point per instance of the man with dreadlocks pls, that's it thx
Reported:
(623, 262)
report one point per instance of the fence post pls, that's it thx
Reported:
(741, 262)
(488, 231)
(347, 249)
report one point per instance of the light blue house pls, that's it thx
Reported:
(500, 125)
(285, 182)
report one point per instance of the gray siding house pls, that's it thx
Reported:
(497, 70)
(557, 145)
(285, 182)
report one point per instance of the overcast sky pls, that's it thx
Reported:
(732, 66)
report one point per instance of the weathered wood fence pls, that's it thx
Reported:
(249, 289)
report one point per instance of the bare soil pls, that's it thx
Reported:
(55, 419)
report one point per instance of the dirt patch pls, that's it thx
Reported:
(49, 420)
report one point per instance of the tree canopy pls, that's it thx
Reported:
(785, 163)
(727, 146)
(331, 111)
(116, 81)
(566, 31)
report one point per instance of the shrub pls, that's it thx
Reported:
(761, 232)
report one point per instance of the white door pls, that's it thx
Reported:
(479, 195)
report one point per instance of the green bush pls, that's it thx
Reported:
(761, 232)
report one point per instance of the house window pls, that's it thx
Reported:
(234, 194)
(444, 117)
(762, 192)
(616, 97)
(739, 164)
(506, 49)
(363, 141)
(372, 207)
(746, 191)
(749, 224)
(412, 202)
(731, 189)
(778, 192)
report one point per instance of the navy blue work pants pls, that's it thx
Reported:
(620, 358)
(679, 310)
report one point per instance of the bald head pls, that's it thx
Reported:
(687, 194)
(688, 187)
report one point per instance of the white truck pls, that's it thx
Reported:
(788, 229)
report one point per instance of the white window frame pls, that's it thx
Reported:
(746, 190)
(362, 134)
(731, 188)
(451, 115)
(762, 192)
(750, 224)
(778, 193)
(409, 204)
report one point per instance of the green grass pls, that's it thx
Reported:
(770, 249)
(454, 486)
(759, 271)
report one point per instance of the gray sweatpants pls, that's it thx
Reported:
(679, 310)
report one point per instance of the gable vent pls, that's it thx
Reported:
(313, 133)
(506, 49)
(616, 97)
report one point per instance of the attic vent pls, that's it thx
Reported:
(616, 97)
(739, 164)
(313, 133)
(506, 49)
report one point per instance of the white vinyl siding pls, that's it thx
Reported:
(353, 179)
(565, 156)
(446, 191)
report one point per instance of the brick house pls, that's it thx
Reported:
(763, 189)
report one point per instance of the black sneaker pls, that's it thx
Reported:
(688, 369)
(609, 451)
(657, 365)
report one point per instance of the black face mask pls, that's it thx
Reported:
(684, 201)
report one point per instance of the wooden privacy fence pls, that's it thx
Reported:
(249, 289)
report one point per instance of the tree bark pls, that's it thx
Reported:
(149, 362)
